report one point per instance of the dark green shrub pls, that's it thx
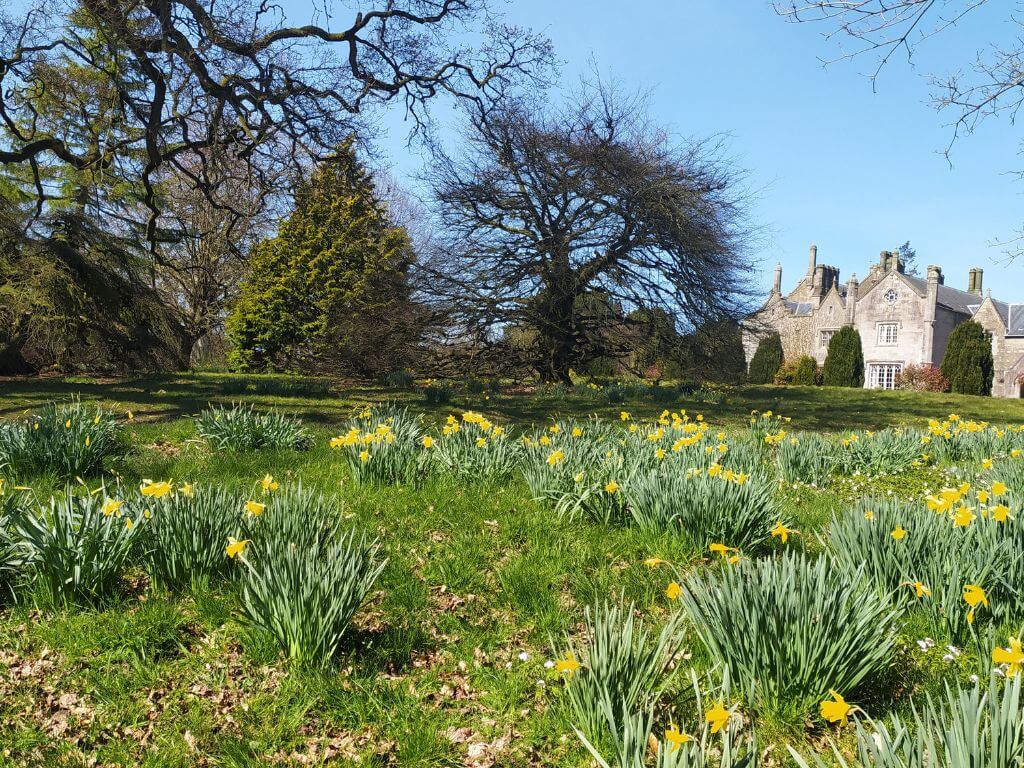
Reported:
(437, 394)
(806, 373)
(399, 379)
(967, 364)
(767, 360)
(844, 364)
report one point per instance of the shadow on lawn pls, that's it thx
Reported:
(320, 402)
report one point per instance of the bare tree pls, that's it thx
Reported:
(169, 80)
(553, 217)
(992, 84)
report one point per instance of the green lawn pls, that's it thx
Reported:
(446, 664)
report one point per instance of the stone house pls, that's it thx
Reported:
(902, 319)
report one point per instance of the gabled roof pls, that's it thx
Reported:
(951, 298)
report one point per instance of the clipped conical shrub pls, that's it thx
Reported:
(767, 360)
(844, 364)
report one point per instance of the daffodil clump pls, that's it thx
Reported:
(67, 440)
(303, 576)
(243, 428)
(185, 533)
(790, 630)
(706, 505)
(952, 557)
(885, 452)
(806, 457)
(473, 448)
(76, 547)
(768, 428)
(384, 445)
(955, 439)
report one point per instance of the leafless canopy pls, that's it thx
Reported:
(179, 78)
(550, 214)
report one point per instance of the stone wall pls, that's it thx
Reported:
(907, 312)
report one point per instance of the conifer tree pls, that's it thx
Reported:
(767, 360)
(844, 364)
(967, 363)
(329, 292)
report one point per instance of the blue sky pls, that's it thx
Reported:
(834, 163)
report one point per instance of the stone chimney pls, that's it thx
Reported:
(934, 281)
(972, 281)
(851, 298)
(814, 260)
(777, 287)
(978, 272)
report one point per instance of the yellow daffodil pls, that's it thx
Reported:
(235, 547)
(998, 488)
(568, 664)
(653, 562)
(555, 458)
(1013, 656)
(899, 532)
(974, 596)
(364, 456)
(1000, 512)
(673, 590)
(836, 710)
(964, 516)
(869, 515)
(155, 490)
(268, 483)
(919, 589)
(624, 415)
(983, 497)
(782, 532)
(577, 432)
(110, 506)
(718, 717)
(611, 487)
(676, 738)
(986, 463)
(187, 490)
(254, 508)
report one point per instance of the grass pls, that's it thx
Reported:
(444, 664)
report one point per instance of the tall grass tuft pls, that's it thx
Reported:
(186, 534)
(243, 428)
(11, 554)
(76, 548)
(887, 452)
(65, 439)
(303, 580)
(806, 457)
(790, 630)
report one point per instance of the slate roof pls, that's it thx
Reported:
(951, 298)
(1014, 319)
(800, 308)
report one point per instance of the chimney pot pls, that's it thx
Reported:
(813, 260)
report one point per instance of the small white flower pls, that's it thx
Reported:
(549, 664)
(953, 650)
(997, 671)
(524, 656)
(974, 678)
(541, 684)
(948, 658)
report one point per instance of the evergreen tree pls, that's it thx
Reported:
(968, 364)
(844, 364)
(767, 360)
(806, 371)
(329, 293)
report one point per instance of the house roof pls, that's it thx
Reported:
(1014, 319)
(800, 308)
(951, 298)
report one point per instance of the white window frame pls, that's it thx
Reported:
(883, 375)
(888, 334)
(823, 342)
